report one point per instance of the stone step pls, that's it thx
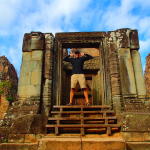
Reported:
(82, 143)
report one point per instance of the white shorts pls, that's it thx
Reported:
(75, 78)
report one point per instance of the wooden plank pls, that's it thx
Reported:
(85, 125)
(56, 128)
(79, 118)
(85, 112)
(109, 131)
(82, 106)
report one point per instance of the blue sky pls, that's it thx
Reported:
(20, 16)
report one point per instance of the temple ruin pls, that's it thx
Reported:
(114, 78)
(113, 74)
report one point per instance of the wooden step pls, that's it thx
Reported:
(84, 118)
(83, 106)
(82, 112)
(82, 125)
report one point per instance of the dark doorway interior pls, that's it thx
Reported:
(93, 74)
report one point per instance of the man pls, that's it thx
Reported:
(77, 60)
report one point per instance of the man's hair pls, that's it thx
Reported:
(77, 51)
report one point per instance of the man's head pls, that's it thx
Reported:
(77, 53)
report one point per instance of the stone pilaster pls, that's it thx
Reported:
(32, 66)
(138, 72)
(48, 69)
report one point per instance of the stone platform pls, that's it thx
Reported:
(117, 141)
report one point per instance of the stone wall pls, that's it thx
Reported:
(125, 67)
(147, 75)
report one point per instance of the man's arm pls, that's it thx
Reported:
(68, 58)
(87, 57)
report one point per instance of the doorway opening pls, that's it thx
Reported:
(93, 74)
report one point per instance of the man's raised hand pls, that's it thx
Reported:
(71, 55)
(82, 54)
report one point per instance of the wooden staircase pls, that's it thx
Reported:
(82, 119)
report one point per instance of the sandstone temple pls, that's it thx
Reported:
(119, 115)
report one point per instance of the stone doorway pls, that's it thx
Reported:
(94, 70)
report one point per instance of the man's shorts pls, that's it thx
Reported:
(75, 78)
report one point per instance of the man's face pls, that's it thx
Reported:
(77, 55)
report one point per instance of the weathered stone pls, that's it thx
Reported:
(16, 138)
(147, 75)
(138, 145)
(122, 36)
(9, 77)
(106, 144)
(136, 122)
(138, 72)
(60, 144)
(126, 72)
(33, 41)
(31, 74)
(134, 40)
(136, 136)
(30, 138)
(18, 146)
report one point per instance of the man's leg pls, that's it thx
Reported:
(72, 91)
(85, 91)
(82, 83)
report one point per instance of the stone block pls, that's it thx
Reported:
(16, 138)
(18, 146)
(37, 55)
(38, 124)
(122, 36)
(26, 56)
(102, 144)
(61, 143)
(136, 122)
(30, 138)
(138, 146)
(133, 136)
(134, 40)
(29, 90)
(24, 79)
(36, 78)
(22, 125)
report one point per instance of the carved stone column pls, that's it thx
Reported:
(48, 72)
(139, 78)
(31, 68)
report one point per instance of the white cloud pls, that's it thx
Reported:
(20, 16)
(145, 46)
